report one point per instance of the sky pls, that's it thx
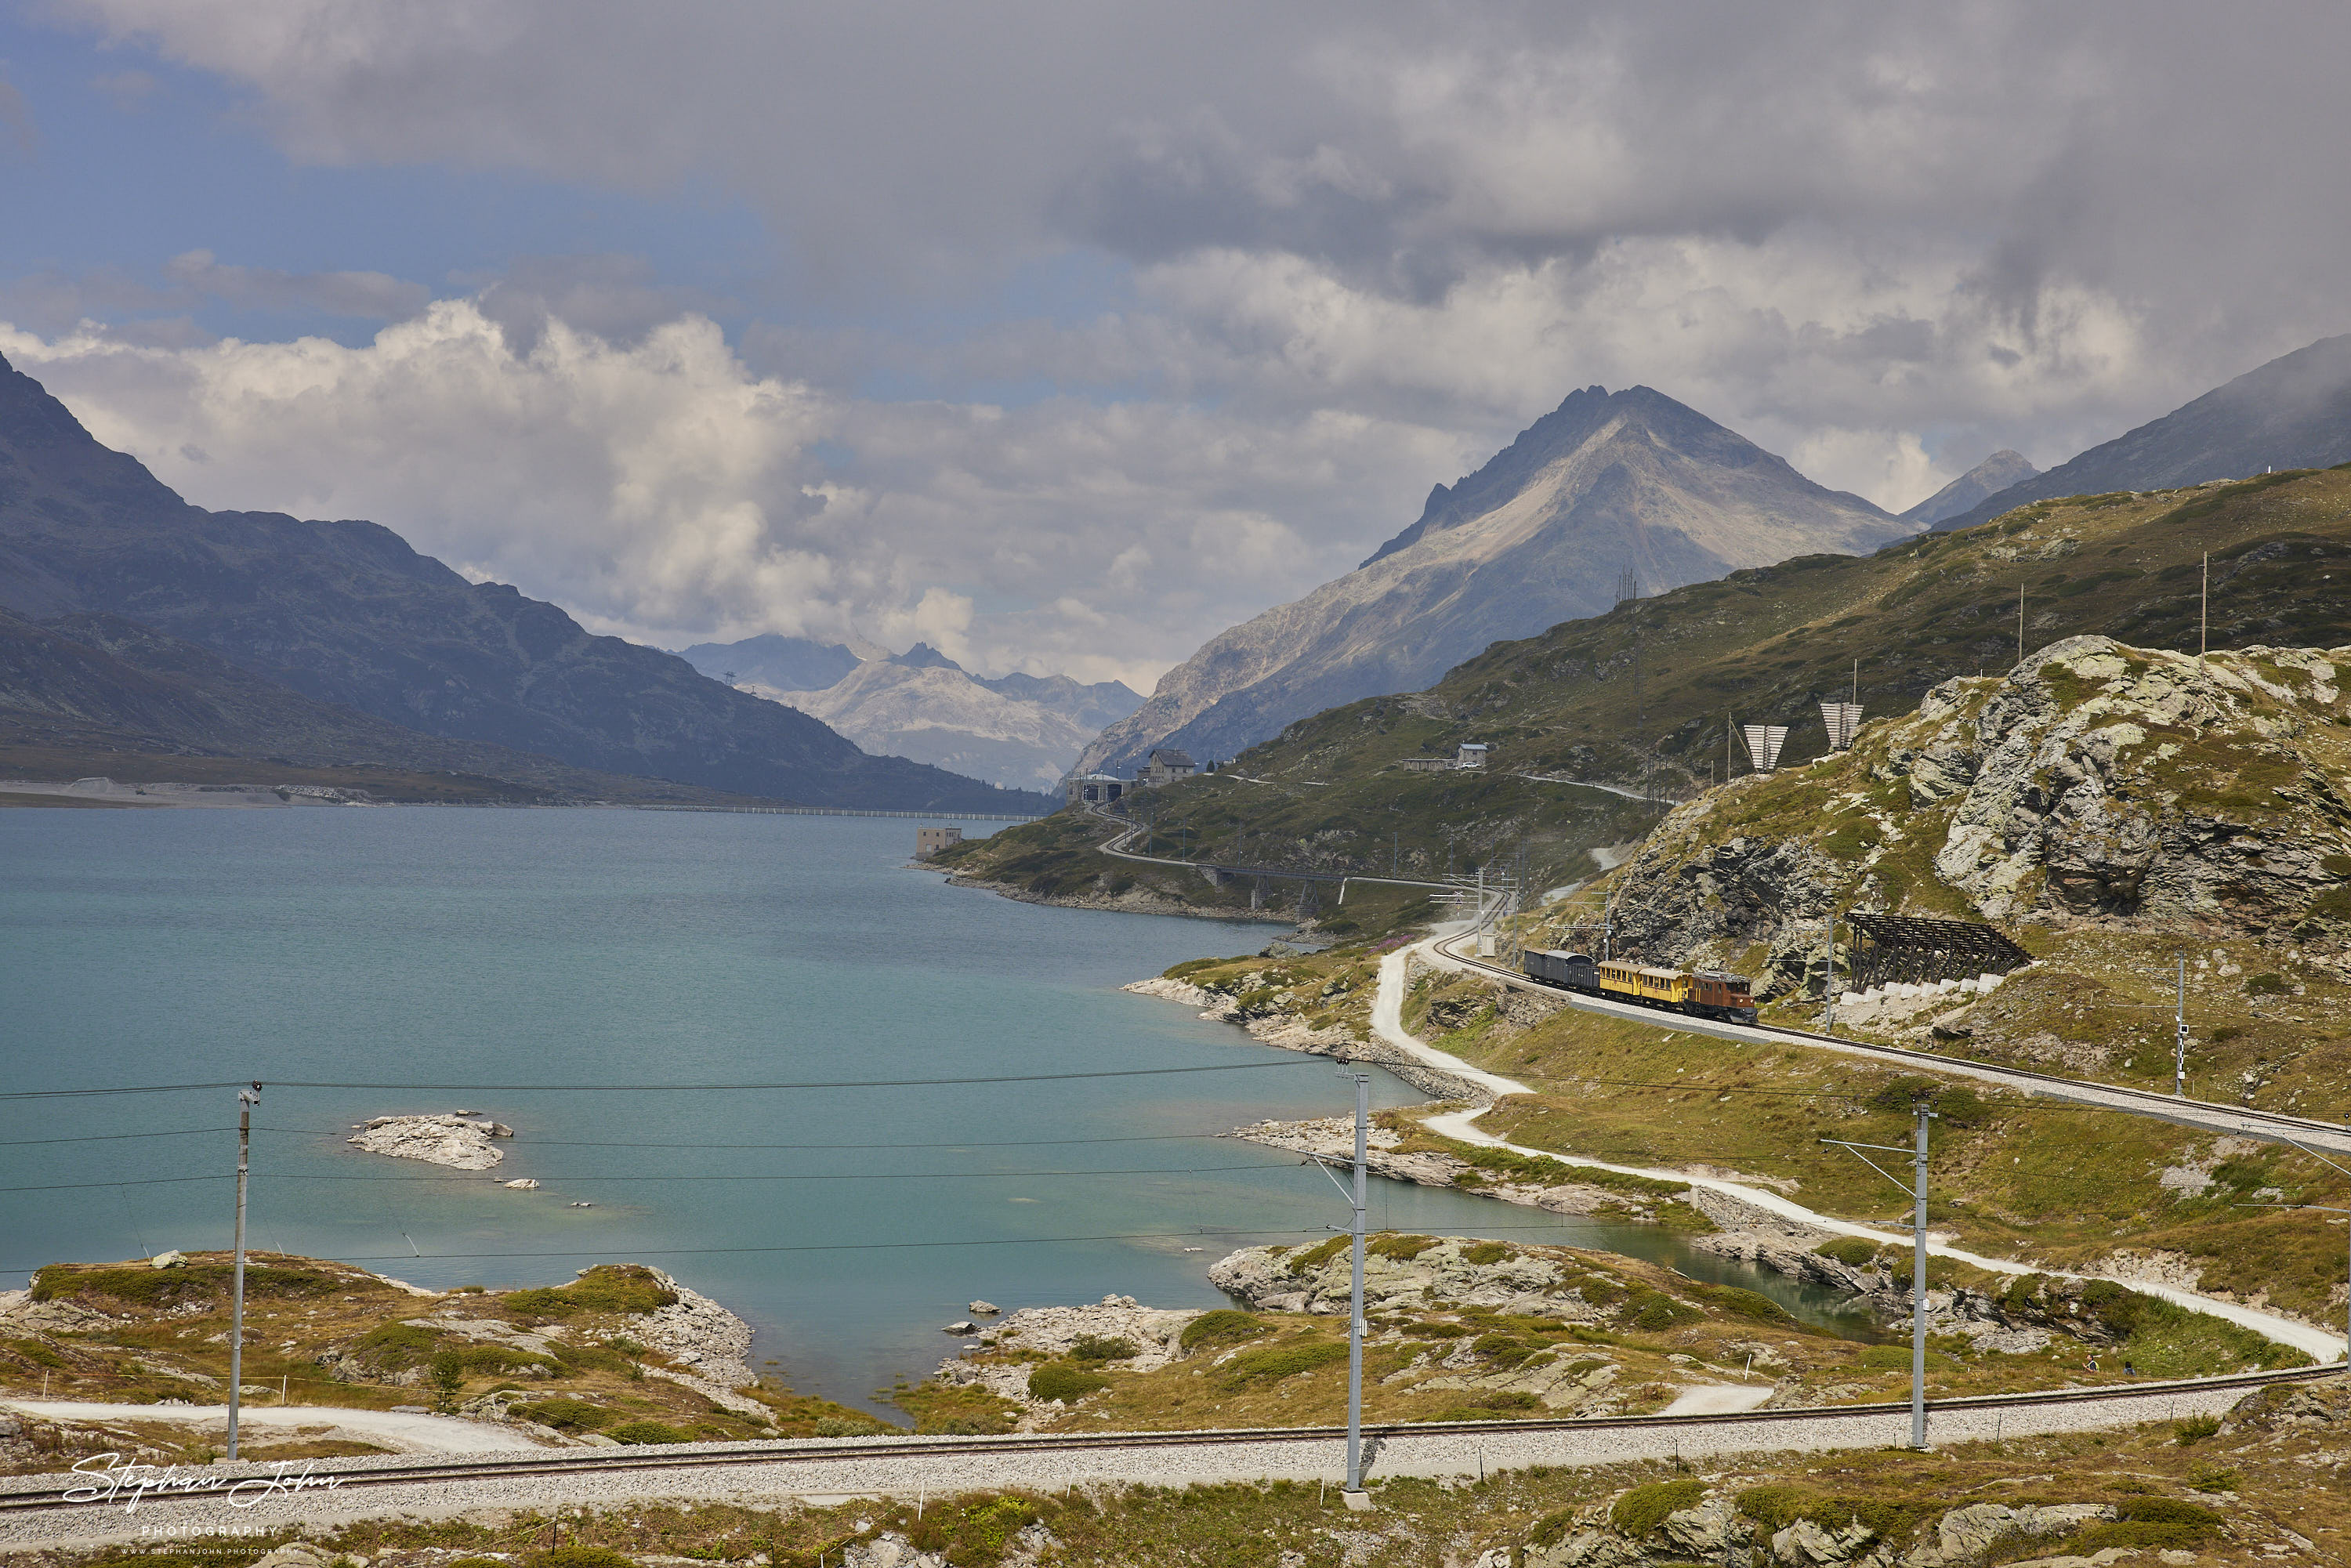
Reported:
(1063, 335)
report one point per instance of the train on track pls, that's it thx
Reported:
(1701, 993)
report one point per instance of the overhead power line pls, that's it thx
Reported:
(814, 1175)
(1202, 1235)
(664, 1088)
(802, 1175)
(940, 1143)
(130, 1089)
(110, 1137)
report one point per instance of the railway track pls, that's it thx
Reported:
(2128, 1403)
(2203, 1116)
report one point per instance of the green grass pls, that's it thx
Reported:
(648, 1432)
(1276, 1362)
(1064, 1381)
(607, 1287)
(1645, 1508)
(1223, 1326)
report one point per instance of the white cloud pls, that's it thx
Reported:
(1368, 242)
(664, 490)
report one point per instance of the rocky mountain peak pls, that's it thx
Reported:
(1988, 477)
(1637, 415)
(1540, 535)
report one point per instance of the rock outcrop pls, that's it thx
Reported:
(458, 1139)
(2096, 782)
(1155, 1333)
(2101, 779)
(1677, 1523)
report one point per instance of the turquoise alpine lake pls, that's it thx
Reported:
(608, 983)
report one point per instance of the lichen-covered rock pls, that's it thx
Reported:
(2116, 781)
(1714, 1529)
(2096, 780)
(2326, 1403)
(455, 1139)
(1268, 1278)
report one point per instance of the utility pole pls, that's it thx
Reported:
(1352, 1491)
(1828, 976)
(2204, 611)
(2020, 624)
(2180, 1037)
(1918, 1287)
(246, 1099)
(1355, 1293)
(1917, 1189)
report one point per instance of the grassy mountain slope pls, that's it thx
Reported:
(346, 613)
(1642, 693)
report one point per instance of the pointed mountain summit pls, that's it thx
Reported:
(1988, 477)
(1543, 533)
(2293, 413)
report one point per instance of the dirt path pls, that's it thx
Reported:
(398, 1430)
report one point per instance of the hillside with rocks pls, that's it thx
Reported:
(1604, 484)
(2095, 783)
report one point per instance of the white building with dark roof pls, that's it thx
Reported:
(1167, 766)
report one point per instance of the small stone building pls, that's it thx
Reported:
(1094, 788)
(1471, 754)
(929, 842)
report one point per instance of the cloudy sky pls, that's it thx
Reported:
(1063, 335)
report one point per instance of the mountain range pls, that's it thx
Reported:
(346, 615)
(1021, 731)
(1606, 484)
(2292, 412)
(1761, 646)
